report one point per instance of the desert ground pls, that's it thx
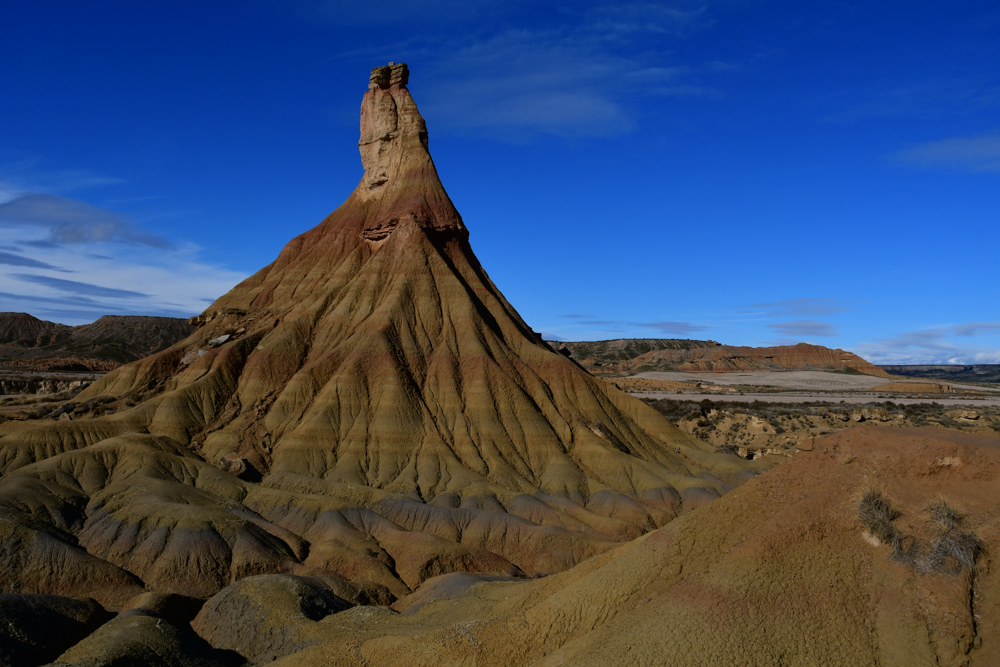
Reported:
(803, 380)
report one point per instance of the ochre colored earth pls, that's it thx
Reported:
(628, 356)
(779, 571)
(367, 408)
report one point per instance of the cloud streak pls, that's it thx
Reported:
(800, 307)
(127, 269)
(79, 288)
(515, 71)
(11, 259)
(973, 154)
(663, 327)
(804, 328)
(976, 328)
(931, 346)
(70, 221)
(681, 328)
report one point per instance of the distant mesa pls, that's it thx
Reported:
(637, 355)
(368, 408)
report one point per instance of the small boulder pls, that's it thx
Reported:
(216, 342)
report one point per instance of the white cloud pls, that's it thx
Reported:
(522, 82)
(74, 221)
(932, 346)
(139, 280)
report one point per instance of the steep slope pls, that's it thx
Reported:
(780, 571)
(368, 405)
(627, 355)
(24, 330)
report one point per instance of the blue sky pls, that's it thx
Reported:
(747, 171)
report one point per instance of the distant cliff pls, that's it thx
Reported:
(637, 355)
(27, 342)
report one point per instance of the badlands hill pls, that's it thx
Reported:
(778, 572)
(364, 413)
(638, 355)
(27, 342)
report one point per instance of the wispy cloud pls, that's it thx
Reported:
(663, 327)
(593, 321)
(74, 221)
(44, 232)
(522, 82)
(12, 259)
(800, 307)
(79, 288)
(975, 154)
(28, 175)
(516, 70)
(804, 328)
(680, 328)
(929, 98)
(931, 346)
(976, 328)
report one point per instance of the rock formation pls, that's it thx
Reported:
(627, 355)
(368, 407)
(778, 572)
(28, 343)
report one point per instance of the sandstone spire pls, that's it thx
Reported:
(400, 179)
(387, 412)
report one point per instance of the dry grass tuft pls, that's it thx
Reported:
(876, 514)
(952, 550)
(946, 515)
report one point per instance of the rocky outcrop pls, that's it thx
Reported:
(39, 385)
(368, 407)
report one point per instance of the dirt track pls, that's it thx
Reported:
(805, 380)
(817, 397)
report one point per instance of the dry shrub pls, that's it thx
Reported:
(952, 550)
(876, 514)
(947, 516)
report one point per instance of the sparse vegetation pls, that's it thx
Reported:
(952, 550)
(876, 514)
(944, 514)
(719, 421)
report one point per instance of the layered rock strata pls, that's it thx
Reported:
(626, 355)
(368, 407)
